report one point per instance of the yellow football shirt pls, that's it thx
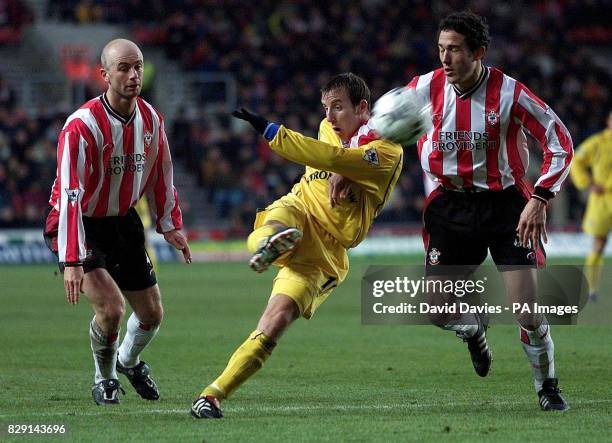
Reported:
(374, 167)
(594, 154)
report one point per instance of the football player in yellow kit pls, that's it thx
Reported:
(305, 233)
(591, 169)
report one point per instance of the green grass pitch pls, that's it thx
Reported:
(329, 379)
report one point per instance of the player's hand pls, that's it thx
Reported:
(532, 224)
(339, 189)
(257, 121)
(73, 283)
(179, 241)
(597, 189)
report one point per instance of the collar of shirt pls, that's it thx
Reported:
(481, 79)
(125, 120)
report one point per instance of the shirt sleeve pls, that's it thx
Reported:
(582, 163)
(71, 160)
(162, 195)
(554, 138)
(368, 165)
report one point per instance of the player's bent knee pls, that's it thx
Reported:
(154, 317)
(110, 315)
(529, 321)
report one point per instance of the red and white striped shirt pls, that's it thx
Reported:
(106, 162)
(477, 138)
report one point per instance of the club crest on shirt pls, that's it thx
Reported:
(148, 137)
(436, 118)
(492, 117)
(73, 195)
(434, 256)
(371, 156)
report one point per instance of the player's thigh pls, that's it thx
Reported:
(502, 222)
(103, 293)
(284, 213)
(597, 219)
(450, 239)
(146, 304)
(100, 238)
(130, 265)
(306, 285)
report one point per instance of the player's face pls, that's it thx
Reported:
(459, 62)
(125, 74)
(344, 117)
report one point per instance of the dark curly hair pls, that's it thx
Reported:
(472, 26)
(355, 86)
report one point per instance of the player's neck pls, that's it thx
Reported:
(123, 106)
(471, 80)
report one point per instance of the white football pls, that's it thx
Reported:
(401, 117)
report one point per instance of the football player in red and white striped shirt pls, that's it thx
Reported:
(110, 152)
(476, 151)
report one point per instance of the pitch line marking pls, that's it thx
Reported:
(296, 408)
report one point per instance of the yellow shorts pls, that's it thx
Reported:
(315, 267)
(598, 216)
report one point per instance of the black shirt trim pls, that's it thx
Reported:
(117, 115)
(483, 76)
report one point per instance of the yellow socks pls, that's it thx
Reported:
(594, 262)
(258, 235)
(245, 362)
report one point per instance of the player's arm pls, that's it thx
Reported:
(582, 163)
(368, 165)
(71, 160)
(539, 119)
(554, 138)
(163, 198)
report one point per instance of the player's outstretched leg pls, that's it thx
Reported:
(540, 351)
(250, 356)
(137, 337)
(550, 396)
(479, 348)
(245, 362)
(472, 328)
(270, 247)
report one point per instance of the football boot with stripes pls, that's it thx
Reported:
(140, 379)
(206, 407)
(550, 396)
(275, 246)
(106, 392)
(479, 349)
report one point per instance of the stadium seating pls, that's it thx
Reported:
(279, 53)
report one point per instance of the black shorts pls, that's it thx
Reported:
(116, 244)
(460, 228)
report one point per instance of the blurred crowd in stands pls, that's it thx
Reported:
(280, 54)
(14, 16)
